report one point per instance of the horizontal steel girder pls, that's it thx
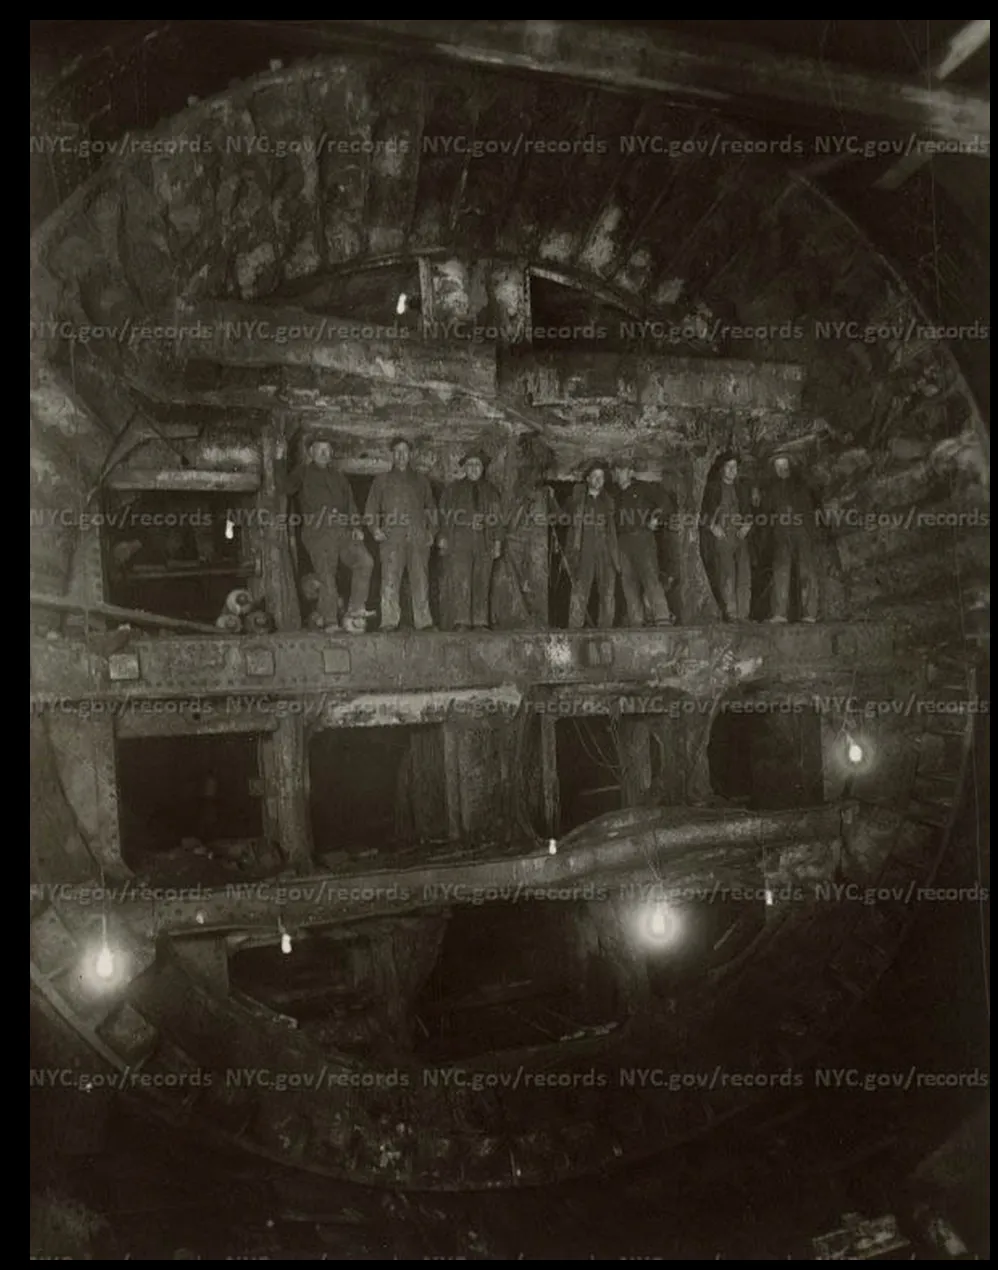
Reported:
(697, 661)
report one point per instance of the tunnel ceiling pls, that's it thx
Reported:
(104, 79)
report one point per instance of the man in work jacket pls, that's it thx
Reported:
(402, 514)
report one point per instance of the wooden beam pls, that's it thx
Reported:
(550, 787)
(742, 76)
(283, 760)
(276, 586)
(183, 479)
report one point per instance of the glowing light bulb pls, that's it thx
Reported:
(285, 943)
(104, 963)
(854, 752)
(400, 304)
(230, 528)
(769, 898)
(661, 925)
(552, 846)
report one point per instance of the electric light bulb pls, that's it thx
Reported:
(400, 304)
(285, 943)
(855, 752)
(230, 528)
(661, 925)
(552, 846)
(104, 964)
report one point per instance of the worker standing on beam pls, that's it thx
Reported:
(728, 518)
(639, 517)
(471, 539)
(790, 515)
(402, 514)
(331, 531)
(591, 551)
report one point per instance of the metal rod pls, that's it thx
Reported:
(64, 604)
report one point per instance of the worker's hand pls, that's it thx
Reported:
(743, 530)
(442, 545)
(717, 531)
(378, 535)
(358, 535)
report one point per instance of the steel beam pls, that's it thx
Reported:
(699, 661)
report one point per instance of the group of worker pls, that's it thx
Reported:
(611, 532)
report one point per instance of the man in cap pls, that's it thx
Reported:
(728, 516)
(402, 514)
(591, 550)
(471, 539)
(639, 516)
(789, 511)
(331, 530)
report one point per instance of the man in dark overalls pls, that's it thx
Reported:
(791, 516)
(639, 516)
(331, 531)
(591, 550)
(402, 514)
(471, 539)
(728, 517)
